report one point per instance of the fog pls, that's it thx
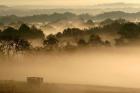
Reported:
(63, 2)
(110, 66)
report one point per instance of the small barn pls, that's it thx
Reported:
(34, 80)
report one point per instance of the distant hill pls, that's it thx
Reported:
(117, 5)
(39, 18)
(71, 16)
(117, 15)
(31, 10)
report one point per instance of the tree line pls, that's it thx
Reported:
(13, 40)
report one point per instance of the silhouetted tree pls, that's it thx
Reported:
(9, 33)
(51, 42)
(72, 32)
(130, 31)
(30, 33)
(11, 47)
(95, 40)
(24, 28)
(59, 35)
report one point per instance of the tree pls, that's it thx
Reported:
(24, 28)
(37, 33)
(95, 40)
(51, 42)
(11, 47)
(59, 35)
(9, 33)
(130, 31)
(21, 45)
(73, 32)
(30, 33)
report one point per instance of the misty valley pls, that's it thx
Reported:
(70, 49)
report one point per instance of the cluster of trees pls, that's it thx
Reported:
(17, 40)
(128, 33)
(73, 38)
(14, 40)
(13, 46)
(24, 32)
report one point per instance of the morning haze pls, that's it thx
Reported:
(69, 46)
(62, 2)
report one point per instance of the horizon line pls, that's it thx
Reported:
(67, 5)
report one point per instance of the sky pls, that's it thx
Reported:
(62, 2)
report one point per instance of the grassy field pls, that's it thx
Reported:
(21, 87)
